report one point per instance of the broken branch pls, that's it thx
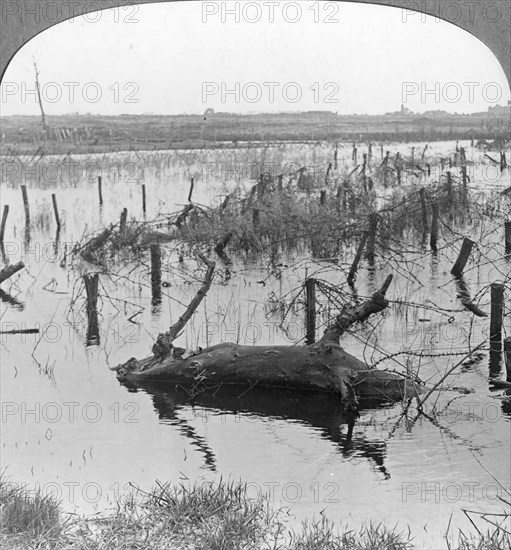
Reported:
(351, 314)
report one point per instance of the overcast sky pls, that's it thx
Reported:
(176, 58)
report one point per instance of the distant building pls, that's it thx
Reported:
(321, 113)
(435, 113)
(500, 110)
(404, 111)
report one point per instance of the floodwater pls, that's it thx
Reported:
(70, 428)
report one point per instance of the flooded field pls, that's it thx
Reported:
(70, 428)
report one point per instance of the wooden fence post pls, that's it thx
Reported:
(123, 221)
(463, 256)
(507, 236)
(434, 227)
(358, 255)
(100, 190)
(56, 209)
(507, 357)
(371, 241)
(156, 273)
(310, 310)
(91, 281)
(24, 193)
(497, 309)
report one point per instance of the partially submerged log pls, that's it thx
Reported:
(324, 366)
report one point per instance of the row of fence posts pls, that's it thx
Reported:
(91, 280)
(368, 241)
(26, 206)
(368, 238)
(100, 194)
(496, 318)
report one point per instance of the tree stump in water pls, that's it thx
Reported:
(323, 366)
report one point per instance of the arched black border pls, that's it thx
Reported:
(15, 32)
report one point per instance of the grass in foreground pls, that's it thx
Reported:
(201, 517)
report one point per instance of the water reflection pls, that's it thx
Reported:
(11, 300)
(318, 410)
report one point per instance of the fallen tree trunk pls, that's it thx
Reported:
(323, 366)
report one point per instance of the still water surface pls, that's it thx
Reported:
(69, 427)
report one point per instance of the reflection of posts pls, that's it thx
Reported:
(91, 281)
(507, 355)
(424, 210)
(156, 273)
(434, 227)
(371, 240)
(25, 204)
(496, 316)
(497, 308)
(464, 296)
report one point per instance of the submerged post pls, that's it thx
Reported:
(255, 217)
(4, 222)
(310, 310)
(463, 256)
(434, 227)
(156, 273)
(497, 309)
(143, 199)
(25, 204)
(507, 357)
(422, 195)
(507, 236)
(328, 170)
(358, 255)
(91, 281)
(100, 190)
(56, 209)
(191, 190)
(449, 187)
(371, 241)
(123, 221)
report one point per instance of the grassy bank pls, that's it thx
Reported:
(97, 134)
(220, 516)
